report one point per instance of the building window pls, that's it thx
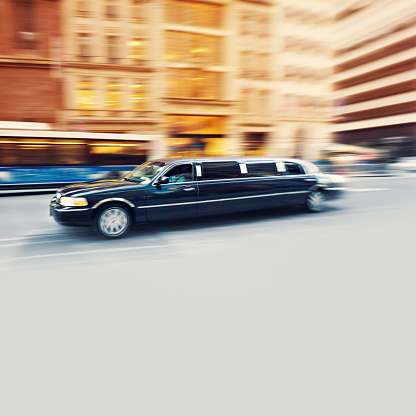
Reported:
(114, 95)
(263, 65)
(246, 23)
(264, 26)
(25, 18)
(193, 83)
(112, 45)
(194, 14)
(85, 96)
(137, 11)
(247, 101)
(137, 50)
(138, 96)
(82, 8)
(111, 9)
(196, 49)
(254, 145)
(265, 102)
(245, 65)
(84, 46)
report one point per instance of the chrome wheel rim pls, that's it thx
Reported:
(316, 201)
(113, 221)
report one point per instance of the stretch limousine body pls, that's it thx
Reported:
(185, 188)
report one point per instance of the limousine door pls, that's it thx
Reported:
(222, 188)
(175, 199)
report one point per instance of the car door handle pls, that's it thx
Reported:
(189, 189)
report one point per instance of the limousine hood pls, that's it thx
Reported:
(85, 188)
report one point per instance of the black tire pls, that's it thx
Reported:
(113, 221)
(315, 201)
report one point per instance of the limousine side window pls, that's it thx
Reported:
(221, 170)
(294, 168)
(181, 173)
(262, 169)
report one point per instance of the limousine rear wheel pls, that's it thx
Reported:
(315, 201)
(113, 221)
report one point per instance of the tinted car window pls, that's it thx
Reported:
(262, 169)
(294, 168)
(181, 173)
(221, 170)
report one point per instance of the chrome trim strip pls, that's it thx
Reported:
(169, 205)
(253, 196)
(223, 199)
(112, 200)
(71, 209)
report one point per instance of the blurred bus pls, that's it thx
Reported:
(45, 159)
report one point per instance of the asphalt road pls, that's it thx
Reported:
(272, 313)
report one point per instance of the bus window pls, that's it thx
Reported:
(116, 153)
(9, 155)
(31, 153)
(70, 154)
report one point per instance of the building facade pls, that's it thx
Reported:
(305, 67)
(213, 77)
(110, 66)
(30, 86)
(374, 75)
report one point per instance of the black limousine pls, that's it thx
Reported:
(185, 188)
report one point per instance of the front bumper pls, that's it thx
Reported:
(70, 215)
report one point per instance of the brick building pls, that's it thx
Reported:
(30, 61)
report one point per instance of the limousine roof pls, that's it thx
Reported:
(240, 159)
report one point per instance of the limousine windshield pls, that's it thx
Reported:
(145, 172)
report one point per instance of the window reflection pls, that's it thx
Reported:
(138, 96)
(137, 49)
(85, 96)
(114, 95)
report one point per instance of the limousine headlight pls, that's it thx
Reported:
(68, 201)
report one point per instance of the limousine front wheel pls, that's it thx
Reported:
(315, 201)
(113, 221)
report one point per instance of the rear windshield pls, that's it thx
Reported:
(294, 168)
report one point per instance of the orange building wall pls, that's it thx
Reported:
(30, 87)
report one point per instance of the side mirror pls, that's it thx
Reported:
(163, 180)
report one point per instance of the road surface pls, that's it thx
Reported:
(273, 313)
